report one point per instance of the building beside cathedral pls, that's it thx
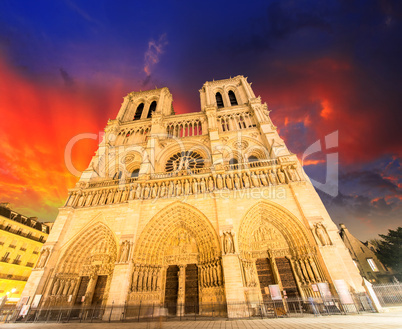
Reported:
(365, 258)
(21, 239)
(187, 210)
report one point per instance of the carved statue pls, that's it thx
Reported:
(322, 234)
(203, 185)
(178, 188)
(228, 245)
(229, 182)
(246, 181)
(195, 186)
(110, 197)
(219, 182)
(281, 176)
(186, 187)
(125, 249)
(80, 201)
(263, 178)
(255, 180)
(56, 287)
(146, 192)
(291, 174)
(171, 188)
(272, 178)
(117, 197)
(162, 190)
(211, 186)
(138, 191)
(237, 182)
(43, 258)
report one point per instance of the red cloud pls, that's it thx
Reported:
(37, 121)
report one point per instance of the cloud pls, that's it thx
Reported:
(152, 55)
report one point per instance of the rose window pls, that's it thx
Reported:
(184, 160)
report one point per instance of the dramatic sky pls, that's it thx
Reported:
(322, 67)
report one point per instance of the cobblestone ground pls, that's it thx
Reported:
(367, 321)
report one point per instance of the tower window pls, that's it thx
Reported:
(232, 98)
(138, 112)
(135, 173)
(219, 100)
(152, 109)
(252, 158)
(233, 161)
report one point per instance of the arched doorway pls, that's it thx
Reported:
(276, 249)
(84, 273)
(177, 262)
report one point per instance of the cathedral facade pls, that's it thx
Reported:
(191, 209)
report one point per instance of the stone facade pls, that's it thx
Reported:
(191, 209)
(21, 241)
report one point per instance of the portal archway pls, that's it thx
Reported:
(177, 261)
(84, 272)
(276, 248)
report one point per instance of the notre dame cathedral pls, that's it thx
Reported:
(191, 209)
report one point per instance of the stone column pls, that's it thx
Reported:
(296, 275)
(234, 290)
(182, 290)
(89, 293)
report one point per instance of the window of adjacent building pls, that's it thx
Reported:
(219, 100)
(36, 250)
(5, 257)
(24, 247)
(41, 238)
(152, 109)
(372, 264)
(17, 259)
(138, 112)
(13, 244)
(232, 98)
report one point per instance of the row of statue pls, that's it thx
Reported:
(174, 188)
(63, 287)
(145, 278)
(210, 275)
(307, 270)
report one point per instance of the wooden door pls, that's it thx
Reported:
(171, 289)
(287, 277)
(191, 289)
(81, 290)
(99, 290)
(265, 276)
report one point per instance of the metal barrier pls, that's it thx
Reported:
(295, 307)
(389, 294)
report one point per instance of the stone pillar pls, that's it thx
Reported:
(234, 286)
(90, 289)
(182, 290)
(275, 271)
(119, 288)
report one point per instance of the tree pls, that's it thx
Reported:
(390, 250)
